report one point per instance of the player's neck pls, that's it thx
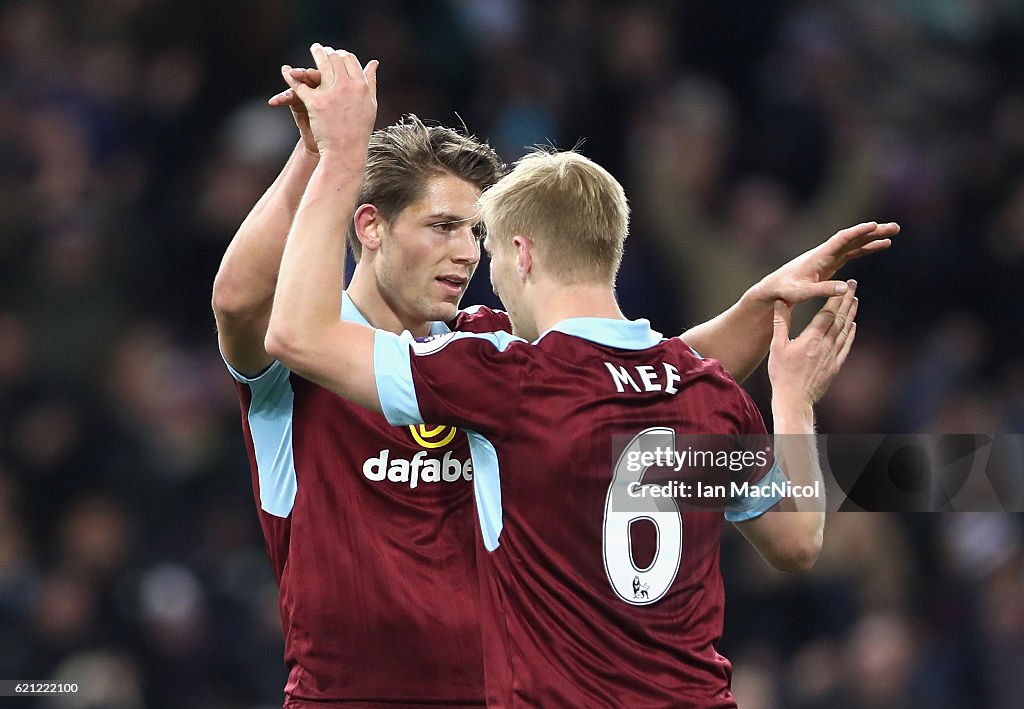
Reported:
(556, 303)
(367, 298)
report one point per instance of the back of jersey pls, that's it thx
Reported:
(595, 593)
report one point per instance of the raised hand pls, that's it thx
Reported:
(801, 370)
(339, 98)
(311, 78)
(807, 276)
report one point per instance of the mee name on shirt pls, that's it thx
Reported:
(569, 617)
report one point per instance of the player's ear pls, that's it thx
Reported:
(369, 225)
(524, 255)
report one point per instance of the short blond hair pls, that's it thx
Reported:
(573, 210)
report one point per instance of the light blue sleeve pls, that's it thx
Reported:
(741, 509)
(486, 488)
(270, 423)
(392, 367)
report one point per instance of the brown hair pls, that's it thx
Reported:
(402, 157)
(572, 208)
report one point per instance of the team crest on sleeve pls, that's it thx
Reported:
(429, 436)
(432, 344)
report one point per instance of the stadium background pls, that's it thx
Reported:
(134, 138)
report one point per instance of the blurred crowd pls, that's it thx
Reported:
(134, 138)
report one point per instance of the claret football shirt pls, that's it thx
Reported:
(369, 529)
(572, 615)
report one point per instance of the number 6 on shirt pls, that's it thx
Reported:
(628, 501)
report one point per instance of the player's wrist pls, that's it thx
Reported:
(760, 295)
(306, 153)
(341, 159)
(793, 414)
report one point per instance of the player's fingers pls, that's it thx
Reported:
(781, 321)
(869, 248)
(841, 240)
(310, 77)
(322, 58)
(825, 289)
(353, 69)
(371, 75)
(888, 229)
(339, 62)
(840, 248)
(313, 77)
(843, 315)
(297, 87)
(283, 98)
(850, 320)
(287, 69)
(830, 256)
(857, 231)
(847, 345)
(278, 98)
(824, 318)
(859, 241)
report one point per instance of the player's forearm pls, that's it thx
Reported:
(796, 452)
(308, 295)
(738, 338)
(244, 286)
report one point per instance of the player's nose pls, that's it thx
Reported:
(465, 246)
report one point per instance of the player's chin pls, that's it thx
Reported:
(444, 310)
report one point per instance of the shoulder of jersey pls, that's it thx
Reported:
(696, 364)
(480, 318)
